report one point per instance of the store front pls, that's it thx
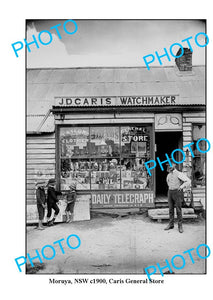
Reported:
(102, 142)
(104, 149)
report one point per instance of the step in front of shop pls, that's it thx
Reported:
(115, 212)
(163, 213)
(163, 203)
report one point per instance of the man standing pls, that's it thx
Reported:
(176, 181)
(52, 201)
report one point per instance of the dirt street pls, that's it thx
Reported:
(118, 246)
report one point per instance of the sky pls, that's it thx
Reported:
(111, 43)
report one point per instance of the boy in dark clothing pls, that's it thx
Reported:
(41, 201)
(71, 197)
(52, 201)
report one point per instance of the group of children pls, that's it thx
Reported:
(51, 200)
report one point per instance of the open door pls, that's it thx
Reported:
(166, 142)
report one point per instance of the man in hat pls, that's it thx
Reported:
(41, 201)
(52, 201)
(176, 181)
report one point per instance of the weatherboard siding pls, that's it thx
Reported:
(40, 164)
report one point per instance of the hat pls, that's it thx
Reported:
(40, 183)
(52, 181)
(73, 186)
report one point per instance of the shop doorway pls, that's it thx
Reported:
(166, 142)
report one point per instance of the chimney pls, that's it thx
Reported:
(184, 63)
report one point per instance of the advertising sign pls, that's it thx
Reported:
(113, 199)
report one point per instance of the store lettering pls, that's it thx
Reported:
(116, 101)
(140, 138)
(100, 199)
(84, 101)
(127, 198)
(147, 100)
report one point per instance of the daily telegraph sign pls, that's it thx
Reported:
(117, 101)
(123, 199)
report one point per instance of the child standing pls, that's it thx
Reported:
(52, 201)
(41, 201)
(71, 198)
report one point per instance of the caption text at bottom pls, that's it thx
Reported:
(104, 281)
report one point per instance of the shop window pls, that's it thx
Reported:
(134, 174)
(74, 142)
(135, 151)
(75, 170)
(104, 142)
(198, 163)
(100, 157)
(105, 173)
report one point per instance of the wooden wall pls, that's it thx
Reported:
(190, 118)
(41, 161)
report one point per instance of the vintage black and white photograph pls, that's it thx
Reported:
(116, 147)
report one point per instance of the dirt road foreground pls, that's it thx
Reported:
(118, 246)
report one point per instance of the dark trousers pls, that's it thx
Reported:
(175, 199)
(70, 207)
(50, 206)
(40, 212)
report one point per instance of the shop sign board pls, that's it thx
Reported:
(122, 199)
(117, 101)
(82, 208)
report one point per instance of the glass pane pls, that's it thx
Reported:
(75, 170)
(74, 142)
(198, 163)
(135, 141)
(198, 132)
(104, 142)
(199, 171)
(105, 174)
(202, 146)
(134, 174)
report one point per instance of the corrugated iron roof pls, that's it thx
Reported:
(45, 84)
(40, 124)
(119, 74)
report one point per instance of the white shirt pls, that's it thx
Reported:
(176, 180)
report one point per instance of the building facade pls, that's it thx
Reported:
(98, 126)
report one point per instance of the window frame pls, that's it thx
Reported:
(90, 158)
(194, 184)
